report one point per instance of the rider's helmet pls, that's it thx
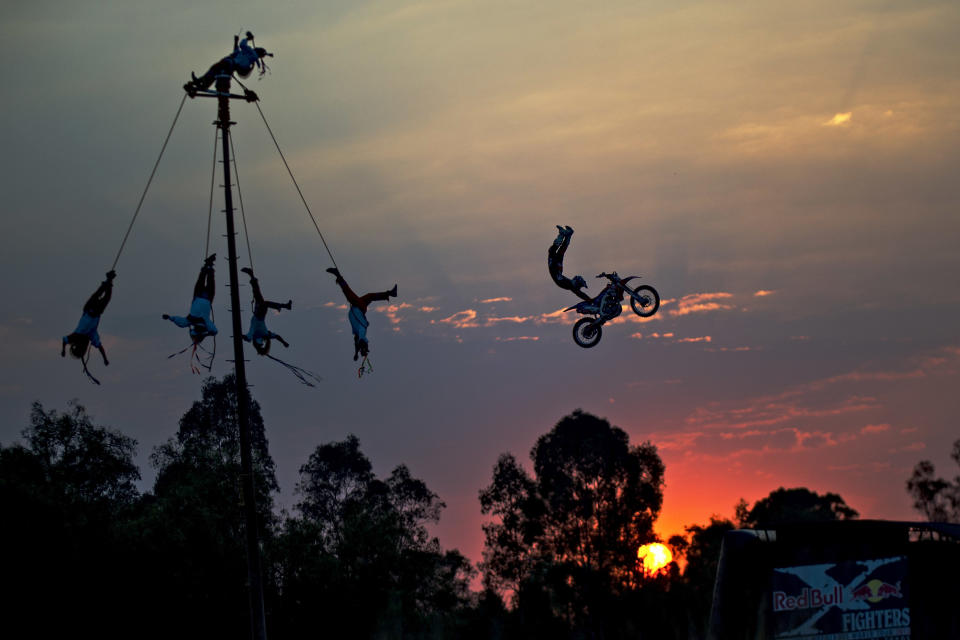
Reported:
(579, 282)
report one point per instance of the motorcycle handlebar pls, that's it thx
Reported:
(604, 274)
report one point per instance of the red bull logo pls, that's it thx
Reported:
(807, 599)
(875, 591)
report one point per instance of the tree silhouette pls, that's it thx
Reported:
(794, 505)
(936, 498)
(564, 542)
(702, 556)
(65, 496)
(190, 530)
(358, 560)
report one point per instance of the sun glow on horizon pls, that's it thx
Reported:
(654, 556)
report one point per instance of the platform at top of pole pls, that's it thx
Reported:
(248, 95)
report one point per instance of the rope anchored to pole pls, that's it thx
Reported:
(295, 184)
(149, 181)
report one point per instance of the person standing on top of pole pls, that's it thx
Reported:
(242, 61)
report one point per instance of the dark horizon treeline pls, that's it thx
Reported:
(84, 552)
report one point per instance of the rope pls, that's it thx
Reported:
(365, 367)
(300, 373)
(208, 365)
(193, 356)
(243, 215)
(152, 173)
(213, 173)
(206, 252)
(83, 361)
(304, 200)
(213, 354)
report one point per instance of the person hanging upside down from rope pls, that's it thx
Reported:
(555, 265)
(86, 332)
(258, 334)
(198, 320)
(358, 312)
(242, 61)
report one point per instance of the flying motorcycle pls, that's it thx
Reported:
(608, 304)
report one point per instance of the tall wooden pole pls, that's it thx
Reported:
(258, 626)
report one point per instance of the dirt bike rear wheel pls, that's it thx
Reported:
(648, 293)
(586, 333)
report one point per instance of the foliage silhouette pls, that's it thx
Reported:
(702, 554)
(795, 505)
(357, 559)
(64, 495)
(563, 543)
(190, 530)
(936, 498)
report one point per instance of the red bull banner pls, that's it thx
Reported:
(850, 600)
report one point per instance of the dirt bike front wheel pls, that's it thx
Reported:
(645, 301)
(586, 333)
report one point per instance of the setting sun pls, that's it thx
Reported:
(654, 557)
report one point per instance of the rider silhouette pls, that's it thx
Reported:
(555, 265)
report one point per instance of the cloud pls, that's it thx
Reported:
(815, 440)
(397, 313)
(652, 336)
(491, 300)
(803, 418)
(465, 319)
(554, 317)
(518, 338)
(875, 428)
(730, 446)
(875, 467)
(767, 412)
(493, 320)
(701, 303)
(762, 293)
(392, 311)
(669, 335)
(913, 446)
(839, 120)
(845, 378)
(473, 319)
